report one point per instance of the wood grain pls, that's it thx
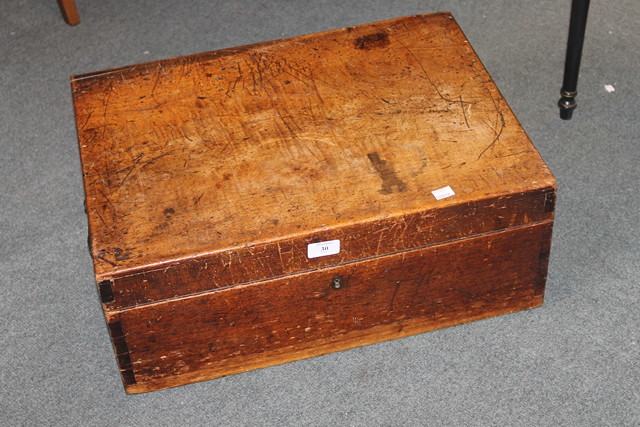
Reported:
(208, 153)
(207, 176)
(275, 321)
(358, 241)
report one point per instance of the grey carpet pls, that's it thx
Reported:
(575, 361)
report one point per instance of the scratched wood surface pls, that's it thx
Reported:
(207, 177)
(251, 146)
(302, 315)
(358, 241)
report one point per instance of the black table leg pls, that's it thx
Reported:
(579, 10)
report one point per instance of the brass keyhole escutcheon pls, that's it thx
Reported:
(337, 282)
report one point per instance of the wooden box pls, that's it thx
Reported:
(262, 204)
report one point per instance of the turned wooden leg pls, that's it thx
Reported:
(69, 11)
(579, 10)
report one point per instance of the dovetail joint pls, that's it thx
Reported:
(105, 288)
(122, 353)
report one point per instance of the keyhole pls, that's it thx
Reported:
(336, 283)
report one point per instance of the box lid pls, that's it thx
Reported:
(216, 169)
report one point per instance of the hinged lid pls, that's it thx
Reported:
(216, 169)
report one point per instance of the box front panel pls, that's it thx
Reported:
(271, 322)
(359, 240)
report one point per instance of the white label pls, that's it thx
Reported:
(331, 247)
(443, 193)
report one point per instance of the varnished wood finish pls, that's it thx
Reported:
(207, 153)
(358, 241)
(207, 176)
(69, 11)
(299, 316)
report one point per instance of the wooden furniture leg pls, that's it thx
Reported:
(69, 11)
(579, 10)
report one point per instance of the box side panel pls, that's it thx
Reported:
(357, 241)
(271, 322)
